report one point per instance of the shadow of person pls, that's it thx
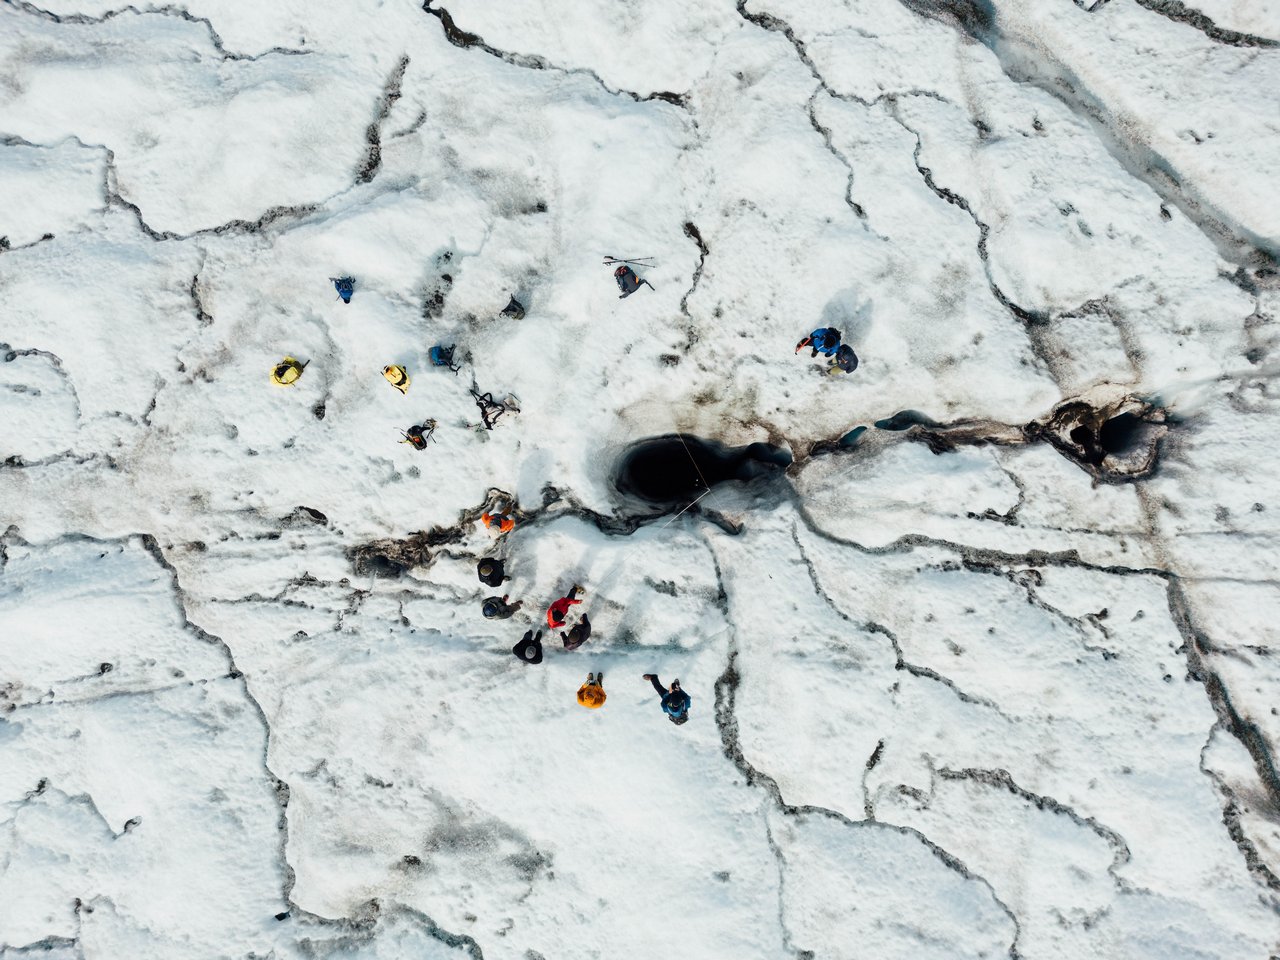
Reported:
(850, 313)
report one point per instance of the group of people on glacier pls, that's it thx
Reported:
(492, 572)
(499, 521)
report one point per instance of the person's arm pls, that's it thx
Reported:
(803, 343)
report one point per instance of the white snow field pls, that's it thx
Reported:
(995, 677)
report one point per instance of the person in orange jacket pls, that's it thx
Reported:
(497, 522)
(591, 694)
(557, 611)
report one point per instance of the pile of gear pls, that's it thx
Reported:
(287, 372)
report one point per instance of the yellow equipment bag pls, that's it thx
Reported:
(397, 376)
(286, 372)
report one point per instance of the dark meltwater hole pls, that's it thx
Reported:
(675, 469)
(1121, 434)
(1117, 437)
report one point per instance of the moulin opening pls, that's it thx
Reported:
(676, 469)
(1120, 435)
(1117, 441)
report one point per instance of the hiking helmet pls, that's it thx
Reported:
(397, 376)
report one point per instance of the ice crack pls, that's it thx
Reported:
(1179, 12)
(1026, 317)
(691, 231)
(8, 354)
(7, 247)
(113, 198)
(825, 133)
(44, 787)
(1195, 645)
(1002, 779)
(461, 38)
(1139, 158)
(168, 10)
(203, 316)
(901, 662)
(373, 135)
(44, 945)
(731, 745)
(1235, 829)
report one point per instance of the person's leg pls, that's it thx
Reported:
(657, 685)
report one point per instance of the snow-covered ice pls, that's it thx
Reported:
(988, 670)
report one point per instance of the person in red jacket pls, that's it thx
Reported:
(556, 612)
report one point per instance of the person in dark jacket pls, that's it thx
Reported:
(824, 340)
(846, 360)
(675, 702)
(578, 634)
(628, 282)
(557, 610)
(497, 608)
(529, 649)
(491, 572)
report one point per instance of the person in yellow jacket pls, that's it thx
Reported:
(591, 694)
(397, 376)
(286, 372)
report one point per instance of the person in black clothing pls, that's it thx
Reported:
(578, 634)
(628, 282)
(675, 702)
(529, 649)
(497, 608)
(491, 572)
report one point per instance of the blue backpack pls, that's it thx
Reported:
(443, 357)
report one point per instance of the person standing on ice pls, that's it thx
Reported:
(591, 694)
(491, 572)
(557, 610)
(824, 340)
(578, 634)
(675, 702)
(529, 649)
(628, 282)
(345, 286)
(497, 608)
(498, 521)
(846, 360)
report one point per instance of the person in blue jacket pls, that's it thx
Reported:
(345, 286)
(675, 702)
(824, 340)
